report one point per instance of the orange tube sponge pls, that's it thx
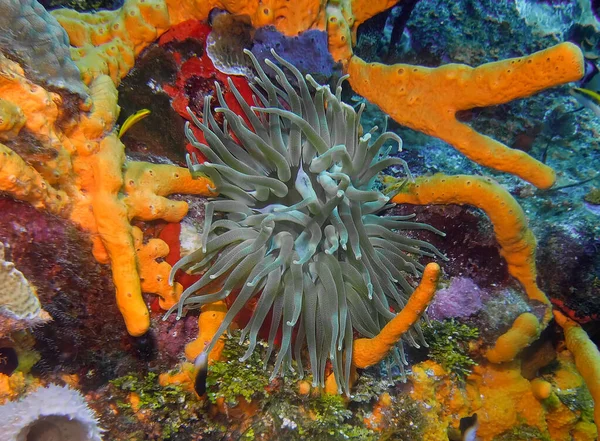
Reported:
(523, 332)
(368, 351)
(427, 100)
(587, 358)
(516, 240)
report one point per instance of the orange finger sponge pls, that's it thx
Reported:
(523, 332)
(368, 351)
(587, 358)
(516, 240)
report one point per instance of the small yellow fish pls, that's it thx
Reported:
(133, 119)
(392, 184)
(587, 98)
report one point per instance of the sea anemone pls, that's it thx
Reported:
(297, 224)
(50, 413)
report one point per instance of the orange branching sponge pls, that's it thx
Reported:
(587, 358)
(516, 240)
(12, 120)
(107, 42)
(147, 185)
(81, 177)
(289, 17)
(368, 351)
(427, 100)
(524, 331)
(89, 153)
(23, 182)
(210, 318)
(112, 221)
(154, 275)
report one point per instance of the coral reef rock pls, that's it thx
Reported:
(33, 37)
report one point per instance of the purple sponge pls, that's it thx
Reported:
(308, 51)
(461, 299)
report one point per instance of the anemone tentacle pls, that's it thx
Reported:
(298, 224)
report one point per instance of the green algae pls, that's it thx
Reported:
(523, 432)
(173, 409)
(231, 379)
(578, 400)
(593, 196)
(171, 412)
(284, 414)
(449, 346)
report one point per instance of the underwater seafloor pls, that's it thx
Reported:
(123, 123)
